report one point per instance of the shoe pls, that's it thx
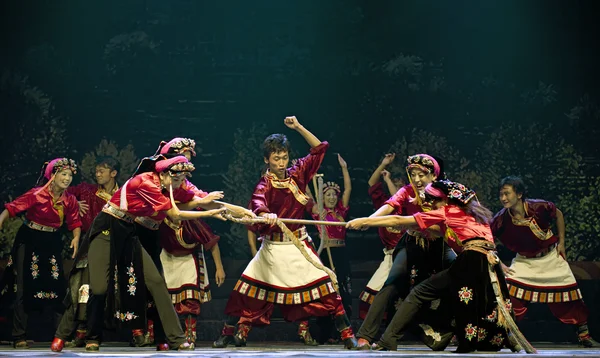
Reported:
(588, 342)
(239, 341)
(21, 344)
(305, 336)
(162, 347)
(223, 341)
(377, 347)
(78, 341)
(363, 345)
(350, 343)
(92, 347)
(57, 345)
(185, 346)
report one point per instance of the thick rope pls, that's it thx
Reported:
(290, 236)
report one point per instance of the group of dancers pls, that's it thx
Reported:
(139, 261)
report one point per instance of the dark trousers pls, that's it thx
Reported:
(98, 263)
(20, 317)
(427, 291)
(398, 285)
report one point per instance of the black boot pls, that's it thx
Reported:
(226, 337)
(342, 324)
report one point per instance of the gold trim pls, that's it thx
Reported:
(287, 183)
(179, 234)
(532, 224)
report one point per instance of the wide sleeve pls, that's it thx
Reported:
(72, 213)
(258, 203)
(22, 203)
(183, 196)
(149, 192)
(305, 168)
(198, 192)
(398, 199)
(430, 218)
(377, 194)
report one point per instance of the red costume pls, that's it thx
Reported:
(540, 274)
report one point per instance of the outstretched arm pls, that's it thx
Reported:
(382, 221)
(347, 181)
(387, 178)
(311, 139)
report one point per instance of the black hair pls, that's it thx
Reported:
(275, 143)
(517, 184)
(108, 162)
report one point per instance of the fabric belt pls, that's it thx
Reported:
(118, 213)
(481, 246)
(279, 237)
(334, 243)
(147, 222)
(36, 226)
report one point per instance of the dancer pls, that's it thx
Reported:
(279, 273)
(118, 264)
(35, 265)
(389, 236)
(474, 282)
(92, 198)
(421, 253)
(539, 273)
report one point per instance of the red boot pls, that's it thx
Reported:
(162, 347)
(57, 345)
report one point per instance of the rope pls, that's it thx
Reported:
(290, 236)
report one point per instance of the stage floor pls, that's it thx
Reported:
(284, 349)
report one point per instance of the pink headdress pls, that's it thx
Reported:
(178, 146)
(175, 165)
(58, 164)
(423, 162)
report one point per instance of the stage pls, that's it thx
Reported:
(284, 349)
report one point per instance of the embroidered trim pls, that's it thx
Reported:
(497, 340)
(124, 317)
(470, 331)
(531, 295)
(46, 295)
(179, 234)
(309, 294)
(287, 183)
(481, 334)
(54, 270)
(465, 295)
(132, 283)
(35, 272)
(533, 226)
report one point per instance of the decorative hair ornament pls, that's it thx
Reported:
(451, 190)
(423, 162)
(59, 164)
(331, 185)
(179, 146)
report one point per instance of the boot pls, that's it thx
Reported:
(226, 337)
(78, 341)
(584, 338)
(137, 338)
(342, 324)
(242, 334)
(304, 334)
(363, 344)
(190, 329)
(57, 345)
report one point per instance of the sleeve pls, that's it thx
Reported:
(550, 209)
(343, 210)
(22, 203)
(496, 225)
(151, 194)
(308, 166)
(77, 190)
(183, 196)
(397, 200)
(189, 186)
(310, 205)
(258, 203)
(377, 194)
(430, 218)
(72, 213)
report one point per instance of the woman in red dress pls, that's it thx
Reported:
(35, 265)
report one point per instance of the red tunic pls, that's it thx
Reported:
(94, 196)
(339, 214)
(530, 235)
(461, 224)
(41, 208)
(388, 238)
(286, 197)
(145, 196)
